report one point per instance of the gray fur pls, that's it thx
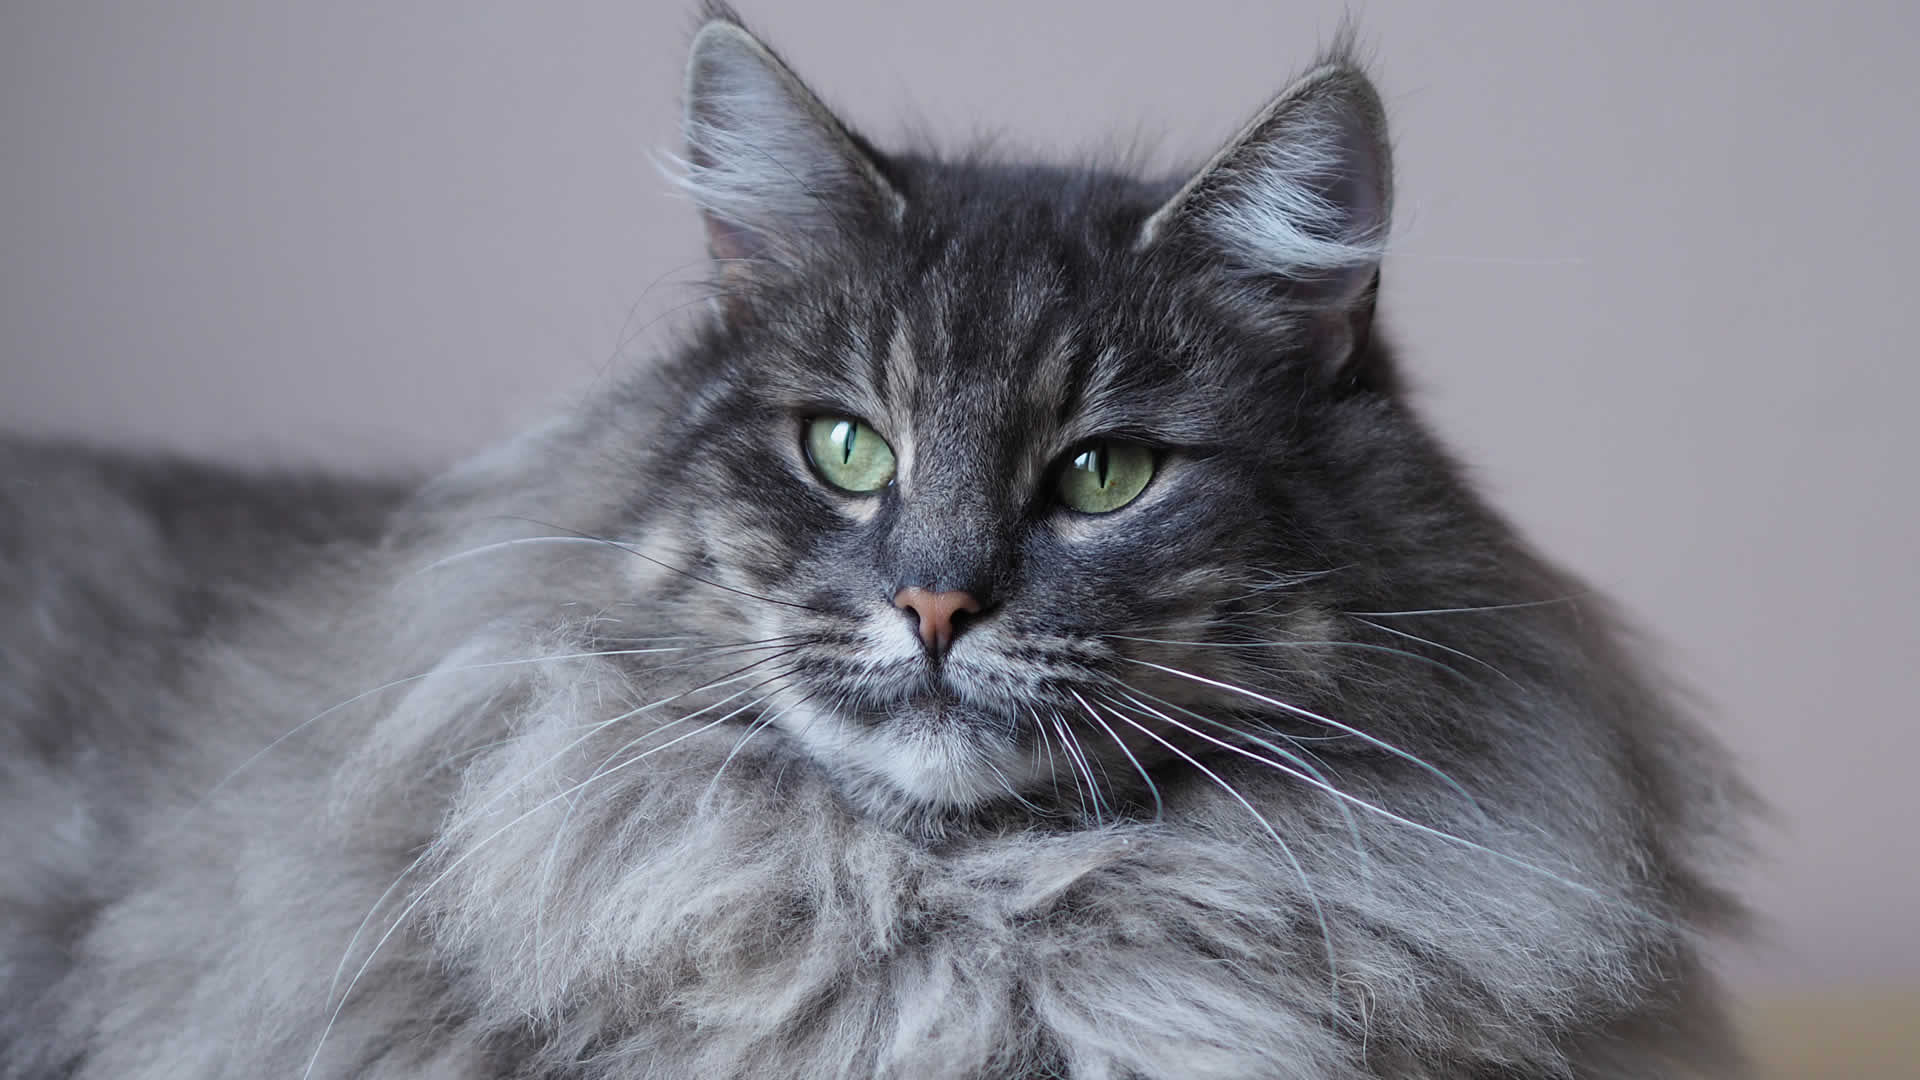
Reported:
(606, 754)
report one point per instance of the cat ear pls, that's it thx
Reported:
(1299, 199)
(773, 171)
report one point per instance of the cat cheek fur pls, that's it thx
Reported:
(610, 754)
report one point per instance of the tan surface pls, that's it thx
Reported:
(1842, 1036)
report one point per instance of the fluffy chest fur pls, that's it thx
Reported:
(1023, 631)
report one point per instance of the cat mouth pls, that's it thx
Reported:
(931, 708)
(927, 751)
(927, 707)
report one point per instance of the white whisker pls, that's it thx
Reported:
(1567, 599)
(455, 865)
(731, 677)
(1443, 648)
(1313, 899)
(455, 670)
(1398, 819)
(559, 832)
(1346, 812)
(1366, 646)
(483, 549)
(1335, 724)
(1159, 807)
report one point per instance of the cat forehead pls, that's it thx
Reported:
(1011, 299)
(1028, 377)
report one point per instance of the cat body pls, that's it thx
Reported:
(664, 741)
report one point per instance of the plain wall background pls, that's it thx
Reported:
(1653, 271)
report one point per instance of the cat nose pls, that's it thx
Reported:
(939, 613)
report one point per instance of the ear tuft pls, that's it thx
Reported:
(1301, 195)
(773, 171)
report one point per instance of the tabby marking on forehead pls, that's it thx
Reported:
(901, 371)
(1104, 404)
(1050, 394)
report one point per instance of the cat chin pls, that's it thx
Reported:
(917, 762)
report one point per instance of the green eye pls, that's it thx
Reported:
(1106, 476)
(849, 454)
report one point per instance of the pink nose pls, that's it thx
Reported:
(937, 611)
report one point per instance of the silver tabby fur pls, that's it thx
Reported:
(607, 755)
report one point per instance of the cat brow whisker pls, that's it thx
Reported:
(1159, 807)
(1314, 716)
(625, 338)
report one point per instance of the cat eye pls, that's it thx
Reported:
(848, 454)
(1105, 476)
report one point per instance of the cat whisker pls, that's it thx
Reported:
(1346, 812)
(709, 654)
(421, 896)
(759, 725)
(1046, 742)
(1306, 884)
(1159, 807)
(1073, 772)
(1287, 579)
(731, 677)
(1298, 741)
(1443, 648)
(573, 804)
(1079, 768)
(1317, 718)
(1103, 804)
(625, 338)
(1472, 609)
(1302, 644)
(451, 759)
(1006, 784)
(1383, 812)
(501, 545)
(663, 564)
(294, 731)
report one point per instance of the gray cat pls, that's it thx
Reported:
(1022, 631)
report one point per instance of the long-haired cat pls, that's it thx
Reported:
(1021, 632)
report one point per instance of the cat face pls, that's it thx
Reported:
(1023, 461)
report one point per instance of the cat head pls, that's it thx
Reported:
(1036, 472)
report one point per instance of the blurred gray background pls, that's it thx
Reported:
(1653, 271)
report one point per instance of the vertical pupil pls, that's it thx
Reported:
(843, 433)
(1100, 464)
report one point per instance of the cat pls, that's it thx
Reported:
(1022, 630)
